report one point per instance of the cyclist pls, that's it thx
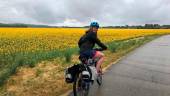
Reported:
(87, 43)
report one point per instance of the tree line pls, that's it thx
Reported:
(146, 26)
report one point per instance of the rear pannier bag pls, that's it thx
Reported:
(70, 73)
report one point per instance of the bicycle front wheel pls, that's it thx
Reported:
(99, 79)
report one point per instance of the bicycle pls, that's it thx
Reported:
(82, 83)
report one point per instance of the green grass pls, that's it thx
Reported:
(125, 44)
(68, 53)
(13, 61)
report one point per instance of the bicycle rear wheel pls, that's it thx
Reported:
(80, 87)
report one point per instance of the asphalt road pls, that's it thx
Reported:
(143, 72)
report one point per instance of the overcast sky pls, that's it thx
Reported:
(82, 12)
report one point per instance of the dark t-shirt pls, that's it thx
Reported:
(88, 41)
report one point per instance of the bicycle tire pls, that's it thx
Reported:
(80, 91)
(99, 79)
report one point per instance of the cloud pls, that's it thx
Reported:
(81, 12)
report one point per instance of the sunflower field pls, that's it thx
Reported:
(28, 46)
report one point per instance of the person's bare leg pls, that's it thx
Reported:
(99, 55)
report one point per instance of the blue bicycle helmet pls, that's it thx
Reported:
(94, 24)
